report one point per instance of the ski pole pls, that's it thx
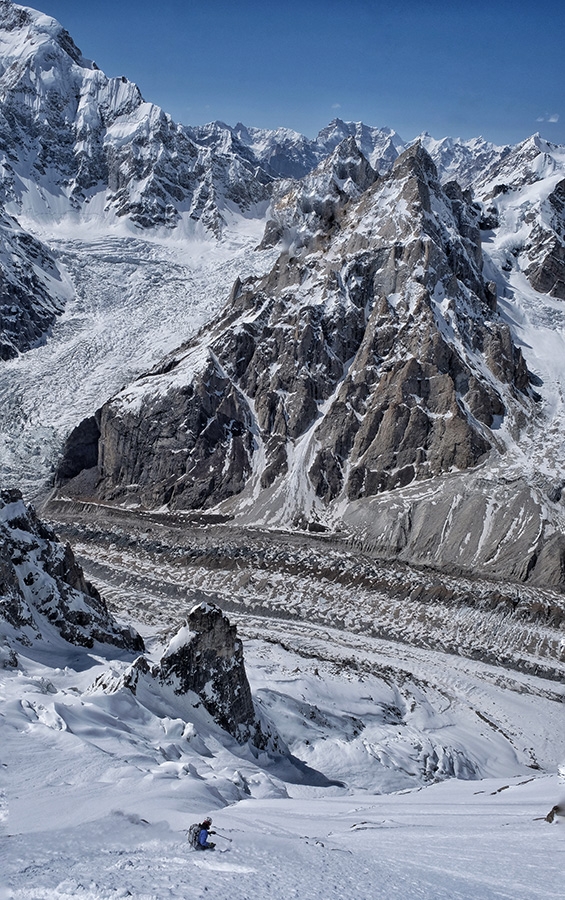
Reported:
(217, 833)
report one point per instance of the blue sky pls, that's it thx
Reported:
(489, 67)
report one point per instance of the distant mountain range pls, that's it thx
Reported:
(390, 375)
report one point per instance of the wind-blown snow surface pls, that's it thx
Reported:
(99, 789)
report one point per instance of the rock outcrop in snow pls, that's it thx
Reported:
(43, 592)
(204, 659)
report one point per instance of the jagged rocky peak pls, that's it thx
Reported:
(462, 161)
(204, 658)
(545, 253)
(528, 162)
(309, 208)
(283, 153)
(375, 359)
(380, 146)
(43, 593)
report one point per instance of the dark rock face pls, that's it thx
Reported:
(365, 345)
(546, 271)
(201, 440)
(32, 293)
(81, 450)
(42, 586)
(207, 657)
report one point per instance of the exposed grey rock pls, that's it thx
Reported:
(546, 248)
(201, 439)
(32, 289)
(207, 657)
(204, 658)
(472, 524)
(43, 588)
(81, 449)
(367, 339)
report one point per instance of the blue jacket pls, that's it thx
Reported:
(203, 838)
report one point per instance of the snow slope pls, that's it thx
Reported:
(99, 790)
(418, 774)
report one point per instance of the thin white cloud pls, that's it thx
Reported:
(336, 106)
(554, 118)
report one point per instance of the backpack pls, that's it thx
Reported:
(193, 835)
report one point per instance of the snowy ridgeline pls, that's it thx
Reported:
(338, 762)
(386, 767)
(425, 412)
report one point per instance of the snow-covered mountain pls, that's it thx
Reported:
(78, 144)
(389, 354)
(371, 357)
(463, 161)
(316, 385)
(288, 154)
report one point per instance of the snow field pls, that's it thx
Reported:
(101, 786)
(444, 842)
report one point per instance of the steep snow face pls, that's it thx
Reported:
(77, 143)
(44, 597)
(524, 196)
(33, 292)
